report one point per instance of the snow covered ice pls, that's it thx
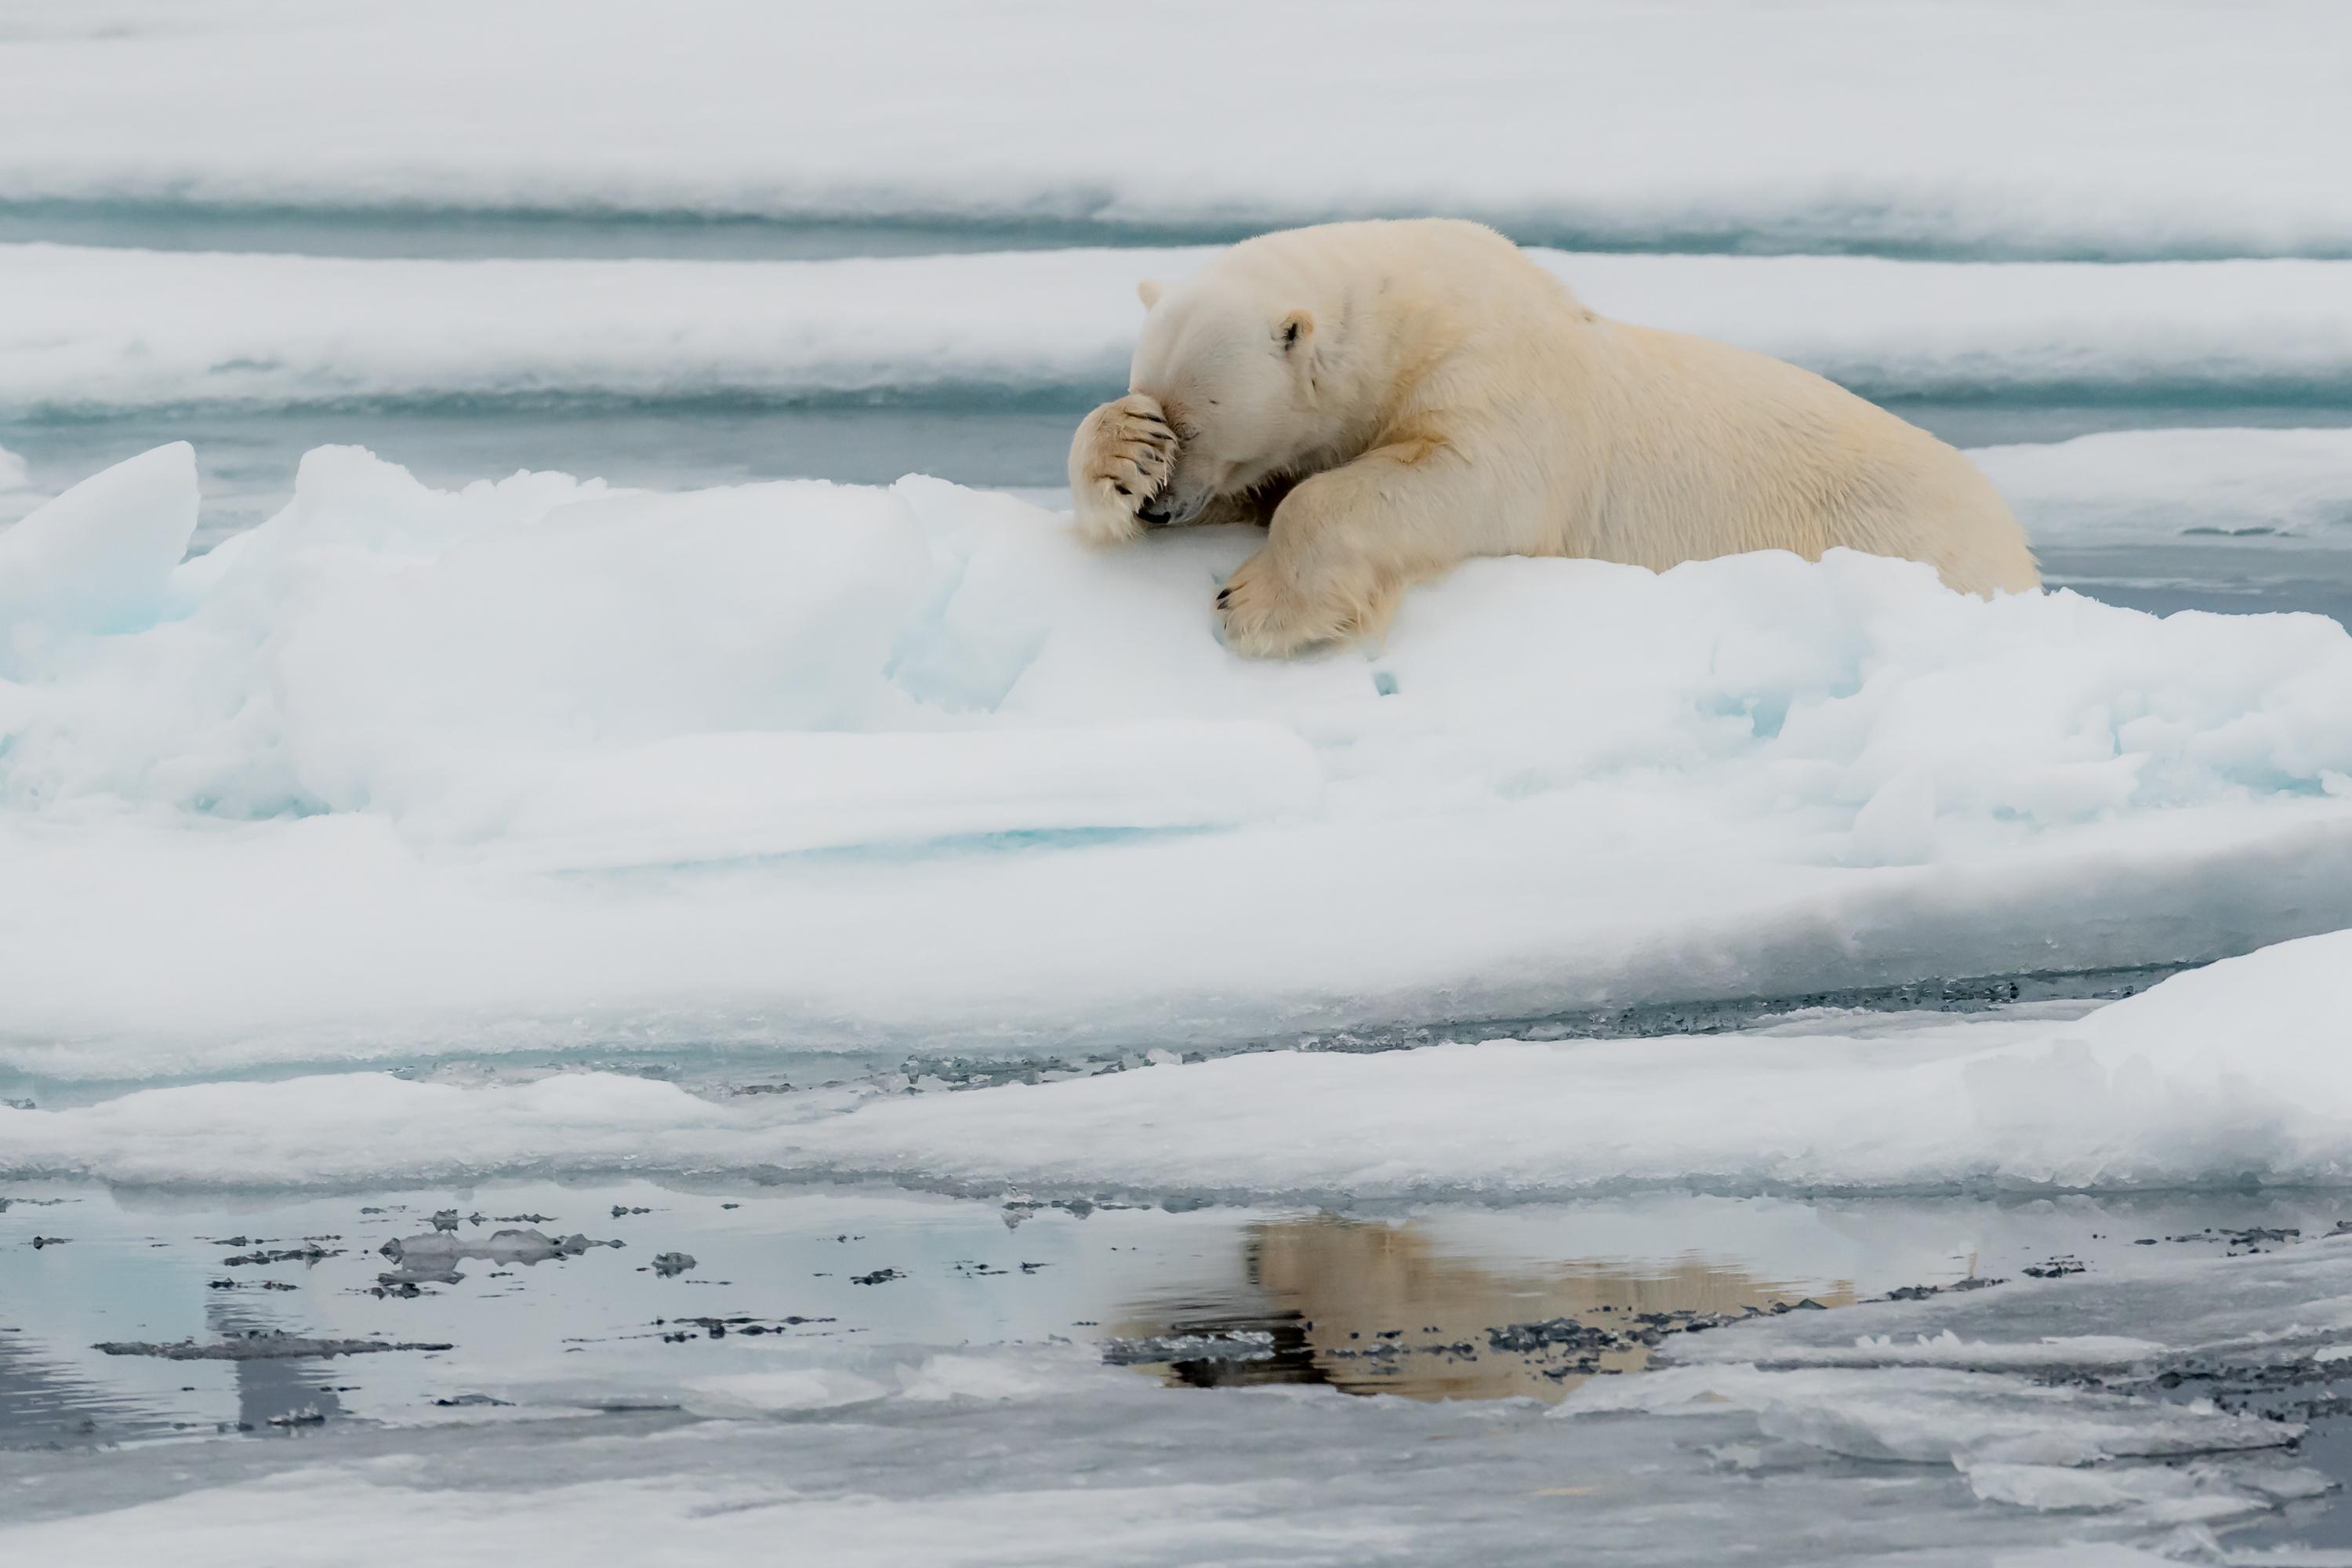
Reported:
(88, 329)
(545, 763)
(1630, 124)
(2231, 1075)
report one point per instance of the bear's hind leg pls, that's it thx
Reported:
(1343, 547)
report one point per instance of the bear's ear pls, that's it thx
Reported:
(1149, 293)
(1293, 330)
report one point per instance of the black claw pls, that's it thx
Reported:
(1223, 594)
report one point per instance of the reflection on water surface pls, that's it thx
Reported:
(1371, 1307)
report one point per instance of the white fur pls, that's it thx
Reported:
(1393, 397)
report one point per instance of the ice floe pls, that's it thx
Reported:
(2229, 1074)
(2195, 485)
(2226, 1076)
(87, 329)
(1806, 127)
(538, 764)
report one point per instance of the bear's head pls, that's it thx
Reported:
(1237, 381)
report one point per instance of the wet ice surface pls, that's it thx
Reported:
(870, 1368)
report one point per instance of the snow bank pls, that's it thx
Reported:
(1815, 126)
(86, 329)
(540, 763)
(2232, 1073)
(2227, 1074)
(350, 1129)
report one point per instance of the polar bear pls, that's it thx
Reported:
(1394, 396)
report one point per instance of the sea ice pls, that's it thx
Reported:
(2290, 1303)
(858, 1451)
(1813, 126)
(98, 558)
(539, 764)
(1928, 1418)
(90, 330)
(2224, 1075)
(2138, 487)
(2229, 1073)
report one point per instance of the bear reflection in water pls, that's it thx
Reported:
(1374, 1308)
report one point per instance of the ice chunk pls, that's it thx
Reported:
(772, 1393)
(99, 557)
(2166, 1496)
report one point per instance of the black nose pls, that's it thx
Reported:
(1151, 516)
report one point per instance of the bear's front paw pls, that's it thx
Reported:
(1121, 457)
(1266, 616)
